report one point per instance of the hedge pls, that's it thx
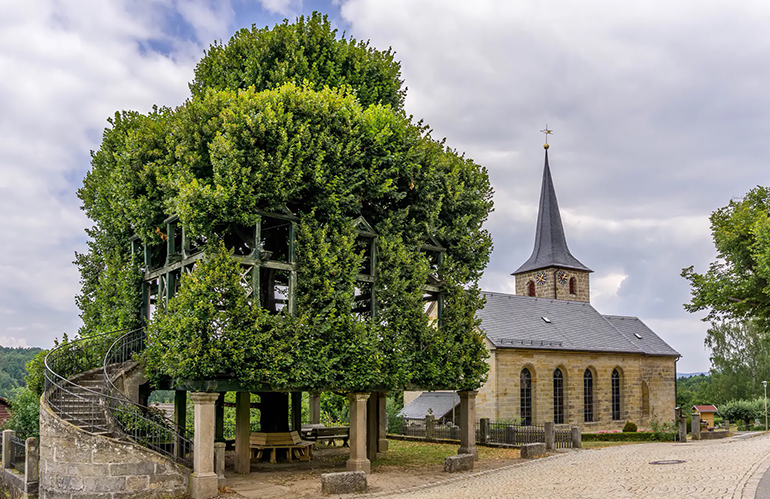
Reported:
(630, 437)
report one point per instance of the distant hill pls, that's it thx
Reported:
(12, 367)
(687, 375)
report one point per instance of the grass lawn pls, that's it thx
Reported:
(414, 454)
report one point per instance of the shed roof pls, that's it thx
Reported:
(705, 408)
(513, 321)
(439, 403)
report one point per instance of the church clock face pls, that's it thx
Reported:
(562, 277)
(541, 278)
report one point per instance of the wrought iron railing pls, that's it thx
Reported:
(145, 425)
(563, 438)
(79, 389)
(18, 454)
(505, 433)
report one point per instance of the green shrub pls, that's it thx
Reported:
(629, 427)
(642, 436)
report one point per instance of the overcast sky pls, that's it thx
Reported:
(660, 112)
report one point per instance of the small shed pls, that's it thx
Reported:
(5, 412)
(706, 413)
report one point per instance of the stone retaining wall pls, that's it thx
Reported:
(74, 464)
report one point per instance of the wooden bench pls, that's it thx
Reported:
(295, 447)
(331, 434)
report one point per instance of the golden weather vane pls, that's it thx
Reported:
(547, 131)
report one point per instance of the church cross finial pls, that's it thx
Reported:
(547, 131)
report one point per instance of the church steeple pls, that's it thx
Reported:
(551, 263)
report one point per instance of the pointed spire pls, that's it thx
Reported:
(550, 244)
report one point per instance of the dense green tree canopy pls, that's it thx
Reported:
(331, 148)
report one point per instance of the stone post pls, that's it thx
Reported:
(550, 435)
(484, 430)
(695, 426)
(358, 460)
(577, 438)
(219, 462)
(726, 424)
(430, 427)
(204, 483)
(32, 460)
(382, 434)
(7, 434)
(242, 462)
(468, 424)
(315, 408)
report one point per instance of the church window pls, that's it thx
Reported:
(531, 288)
(558, 397)
(572, 283)
(615, 395)
(588, 396)
(526, 397)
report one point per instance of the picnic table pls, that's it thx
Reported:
(295, 447)
(330, 433)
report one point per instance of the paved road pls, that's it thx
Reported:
(730, 468)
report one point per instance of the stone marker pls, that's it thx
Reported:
(344, 482)
(459, 462)
(529, 451)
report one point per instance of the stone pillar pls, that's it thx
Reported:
(468, 424)
(726, 424)
(695, 426)
(315, 408)
(32, 460)
(430, 427)
(219, 411)
(382, 434)
(219, 462)
(7, 434)
(550, 435)
(372, 425)
(180, 418)
(484, 430)
(577, 438)
(358, 460)
(296, 411)
(242, 432)
(204, 483)
(682, 427)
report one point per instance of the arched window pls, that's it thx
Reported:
(526, 397)
(531, 288)
(588, 396)
(572, 283)
(615, 395)
(558, 397)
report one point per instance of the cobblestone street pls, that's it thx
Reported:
(730, 468)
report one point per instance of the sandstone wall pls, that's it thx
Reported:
(76, 464)
(499, 398)
(552, 288)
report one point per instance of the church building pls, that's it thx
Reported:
(553, 357)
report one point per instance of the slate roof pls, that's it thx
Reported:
(550, 243)
(513, 321)
(440, 402)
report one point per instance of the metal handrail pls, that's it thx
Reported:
(144, 425)
(107, 411)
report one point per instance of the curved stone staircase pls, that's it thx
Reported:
(94, 439)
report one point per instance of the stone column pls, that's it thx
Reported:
(682, 426)
(315, 408)
(242, 432)
(7, 434)
(695, 426)
(382, 437)
(550, 435)
(358, 460)
(203, 481)
(577, 438)
(219, 462)
(32, 460)
(468, 424)
(430, 427)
